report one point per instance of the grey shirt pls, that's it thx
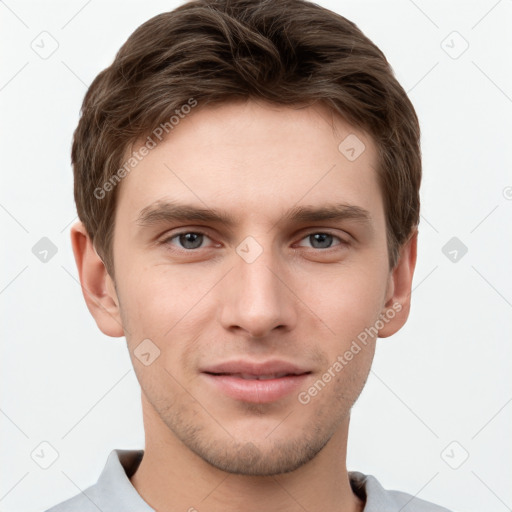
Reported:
(113, 492)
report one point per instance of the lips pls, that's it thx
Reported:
(257, 382)
(273, 368)
(249, 376)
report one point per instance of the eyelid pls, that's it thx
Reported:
(343, 241)
(171, 235)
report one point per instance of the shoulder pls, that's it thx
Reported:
(87, 501)
(379, 499)
(113, 491)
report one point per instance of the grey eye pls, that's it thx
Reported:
(190, 240)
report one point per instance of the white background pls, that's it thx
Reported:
(444, 377)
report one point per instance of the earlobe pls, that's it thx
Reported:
(97, 286)
(398, 303)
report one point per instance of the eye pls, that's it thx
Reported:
(187, 240)
(321, 240)
(191, 240)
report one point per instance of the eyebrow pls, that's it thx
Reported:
(169, 211)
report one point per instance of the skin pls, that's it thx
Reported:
(299, 301)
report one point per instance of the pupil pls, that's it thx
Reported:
(321, 238)
(191, 240)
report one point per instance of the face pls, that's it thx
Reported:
(250, 255)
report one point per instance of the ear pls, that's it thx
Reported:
(398, 293)
(97, 286)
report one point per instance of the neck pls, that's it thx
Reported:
(171, 477)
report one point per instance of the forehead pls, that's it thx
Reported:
(256, 161)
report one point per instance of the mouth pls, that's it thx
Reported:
(256, 382)
(249, 376)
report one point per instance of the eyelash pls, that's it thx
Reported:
(166, 241)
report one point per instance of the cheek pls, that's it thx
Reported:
(351, 302)
(144, 313)
(156, 298)
(170, 308)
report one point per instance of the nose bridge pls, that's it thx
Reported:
(259, 300)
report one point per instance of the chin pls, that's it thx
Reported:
(258, 459)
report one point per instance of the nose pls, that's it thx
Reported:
(257, 296)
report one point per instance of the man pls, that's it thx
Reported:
(247, 181)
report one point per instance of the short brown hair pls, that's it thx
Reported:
(286, 52)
